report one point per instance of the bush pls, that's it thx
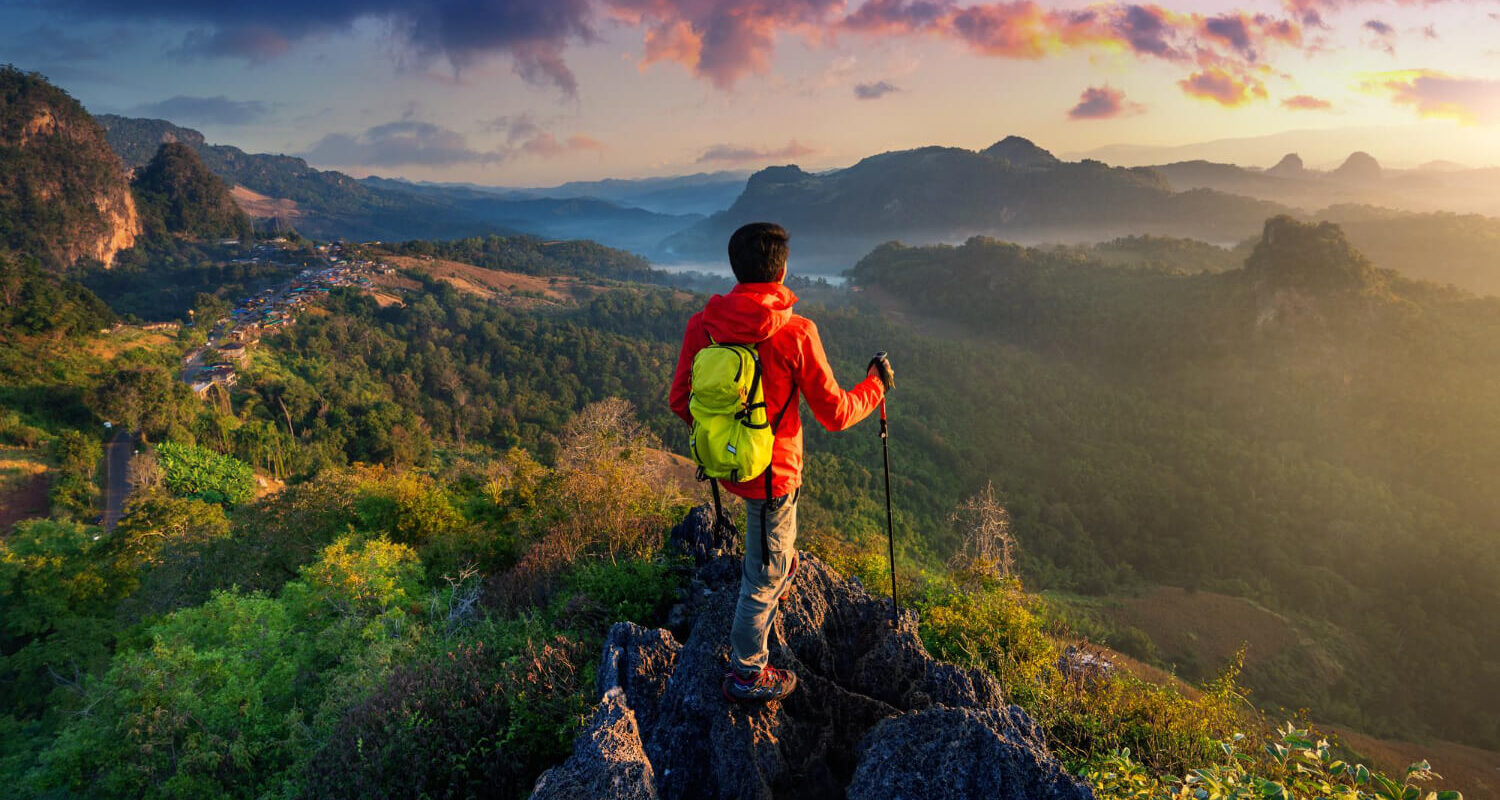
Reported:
(1296, 765)
(481, 719)
(638, 591)
(999, 628)
(192, 471)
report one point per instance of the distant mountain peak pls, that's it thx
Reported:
(1289, 166)
(1359, 166)
(1020, 152)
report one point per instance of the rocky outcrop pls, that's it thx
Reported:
(960, 752)
(868, 692)
(58, 174)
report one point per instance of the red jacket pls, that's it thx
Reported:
(792, 364)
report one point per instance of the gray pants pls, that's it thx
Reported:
(762, 583)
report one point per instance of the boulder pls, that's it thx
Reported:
(961, 754)
(608, 762)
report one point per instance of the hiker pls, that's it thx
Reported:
(756, 316)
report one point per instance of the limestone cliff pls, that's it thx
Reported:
(64, 194)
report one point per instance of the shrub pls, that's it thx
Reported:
(481, 719)
(638, 591)
(192, 471)
(1295, 765)
(999, 628)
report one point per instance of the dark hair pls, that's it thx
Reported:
(758, 251)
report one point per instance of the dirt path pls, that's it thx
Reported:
(116, 477)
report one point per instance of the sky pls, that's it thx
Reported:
(536, 92)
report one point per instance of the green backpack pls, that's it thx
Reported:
(732, 438)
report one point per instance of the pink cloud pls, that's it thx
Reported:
(1306, 102)
(1103, 102)
(739, 154)
(1435, 94)
(1223, 87)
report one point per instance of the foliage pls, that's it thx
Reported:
(74, 491)
(1085, 713)
(481, 718)
(217, 703)
(196, 472)
(177, 195)
(1308, 449)
(533, 255)
(634, 590)
(1296, 765)
(36, 302)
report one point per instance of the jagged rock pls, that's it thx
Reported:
(607, 762)
(856, 668)
(697, 536)
(958, 754)
(638, 662)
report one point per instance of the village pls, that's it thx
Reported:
(271, 310)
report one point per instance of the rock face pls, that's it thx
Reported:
(868, 693)
(960, 752)
(59, 175)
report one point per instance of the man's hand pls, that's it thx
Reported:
(880, 367)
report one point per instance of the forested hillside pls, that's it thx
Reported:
(1307, 431)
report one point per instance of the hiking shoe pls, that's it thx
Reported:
(791, 577)
(769, 684)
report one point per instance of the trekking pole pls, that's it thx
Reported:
(890, 524)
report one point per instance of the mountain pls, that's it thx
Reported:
(1290, 166)
(1013, 188)
(576, 217)
(176, 194)
(64, 196)
(1359, 166)
(284, 191)
(700, 193)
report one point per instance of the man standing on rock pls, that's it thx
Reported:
(758, 311)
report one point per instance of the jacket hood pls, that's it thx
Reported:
(750, 313)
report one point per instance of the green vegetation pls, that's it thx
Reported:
(205, 475)
(34, 302)
(1306, 432)
(176, 195)
(533, 255)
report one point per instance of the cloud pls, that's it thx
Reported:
(1103, 102)
(532, 33)
(1306, 102)
(720, 40)
(1383, 35)
(397, 144)
(738, 154)
(219, 110)
(874, 91)
(1435, 94)
(545, 145)
(525, 136)
(1222, 87)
